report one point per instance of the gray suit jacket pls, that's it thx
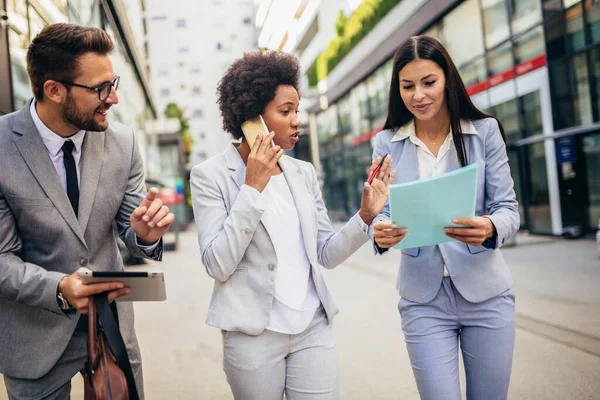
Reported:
(479, 273)
(237, 250)
(42, 240)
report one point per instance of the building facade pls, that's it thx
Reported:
(190, 45)
(534, 64)
(122, 19)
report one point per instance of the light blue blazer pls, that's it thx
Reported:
(479, 273)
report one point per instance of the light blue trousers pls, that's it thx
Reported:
(485, 331)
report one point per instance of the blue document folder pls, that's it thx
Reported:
(427, 206)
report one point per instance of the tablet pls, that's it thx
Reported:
(145, 286)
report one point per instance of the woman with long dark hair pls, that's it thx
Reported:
(459, 291)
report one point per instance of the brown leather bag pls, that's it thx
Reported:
(103, 378)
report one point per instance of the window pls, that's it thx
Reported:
(575, 31)
(555, 38)
(183, 50)
(196, 90)
(164, 92)
(500, 59)
(195, 70)
(202, 135)
(495, 22)
(561, 96)
(462, 32)
(219, 46)
(524, 14)
(581, 90)
(595, 57)
(539, 198)
(181, 23)
(158, 18)
(591, 149)
(529, 45)
(592, 8)
(532, 114)
(163, 72)
(247, 21)
(473, 72)
(198, 113)
(508, 115)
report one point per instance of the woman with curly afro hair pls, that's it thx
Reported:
(264, 236)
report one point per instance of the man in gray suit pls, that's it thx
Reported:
(66, 178)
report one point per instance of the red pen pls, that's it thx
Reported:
(376, 170)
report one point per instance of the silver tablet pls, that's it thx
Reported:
(145, 286)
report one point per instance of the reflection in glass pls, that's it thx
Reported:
(539, 199)
(462, 32)
(513, 162)
(569, 3)
(555, 37)
(507, 114)
(532, 114)
(500, 59)
(595, 57)
(18, 38)
(561, 95)
(495, 22)
(551, 8)
(525, 14)
(592, 9)
(575, 31)
(581, 90)
(473, 71)
(591, 149)
(529, 45)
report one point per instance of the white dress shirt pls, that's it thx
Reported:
(295, 298)
(430, 165)
(54, 143)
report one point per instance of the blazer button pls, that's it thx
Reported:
(83, 262)
(271, 267)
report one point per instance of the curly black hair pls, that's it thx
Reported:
(250, 83)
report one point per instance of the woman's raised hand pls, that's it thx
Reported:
(375, 194)
(262, 161)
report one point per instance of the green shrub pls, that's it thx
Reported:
(349, 33)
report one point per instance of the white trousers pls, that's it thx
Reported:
(264, 367)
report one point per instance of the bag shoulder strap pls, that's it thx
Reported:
(109, 326)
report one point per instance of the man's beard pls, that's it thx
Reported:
(79, 119)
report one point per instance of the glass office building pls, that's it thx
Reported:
(536, 66)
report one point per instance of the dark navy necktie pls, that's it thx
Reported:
(72, 186)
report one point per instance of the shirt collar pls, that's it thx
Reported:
(53, 141)
(409, 130)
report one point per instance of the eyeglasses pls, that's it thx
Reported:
(103, 90)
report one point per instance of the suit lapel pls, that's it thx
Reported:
(407, 167)
(304, 202)
(92, 154)
(35, 154)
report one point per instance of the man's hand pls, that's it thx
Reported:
(375, 194)
(151, 220)
(387, 235)
(76, 293)
(262, 161)
(476, 232)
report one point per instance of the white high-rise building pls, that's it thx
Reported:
(190, 45)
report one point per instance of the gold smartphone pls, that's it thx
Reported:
(252, 127)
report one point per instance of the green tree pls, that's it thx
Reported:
(172, 110)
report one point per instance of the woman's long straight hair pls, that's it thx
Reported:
(459, 103)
